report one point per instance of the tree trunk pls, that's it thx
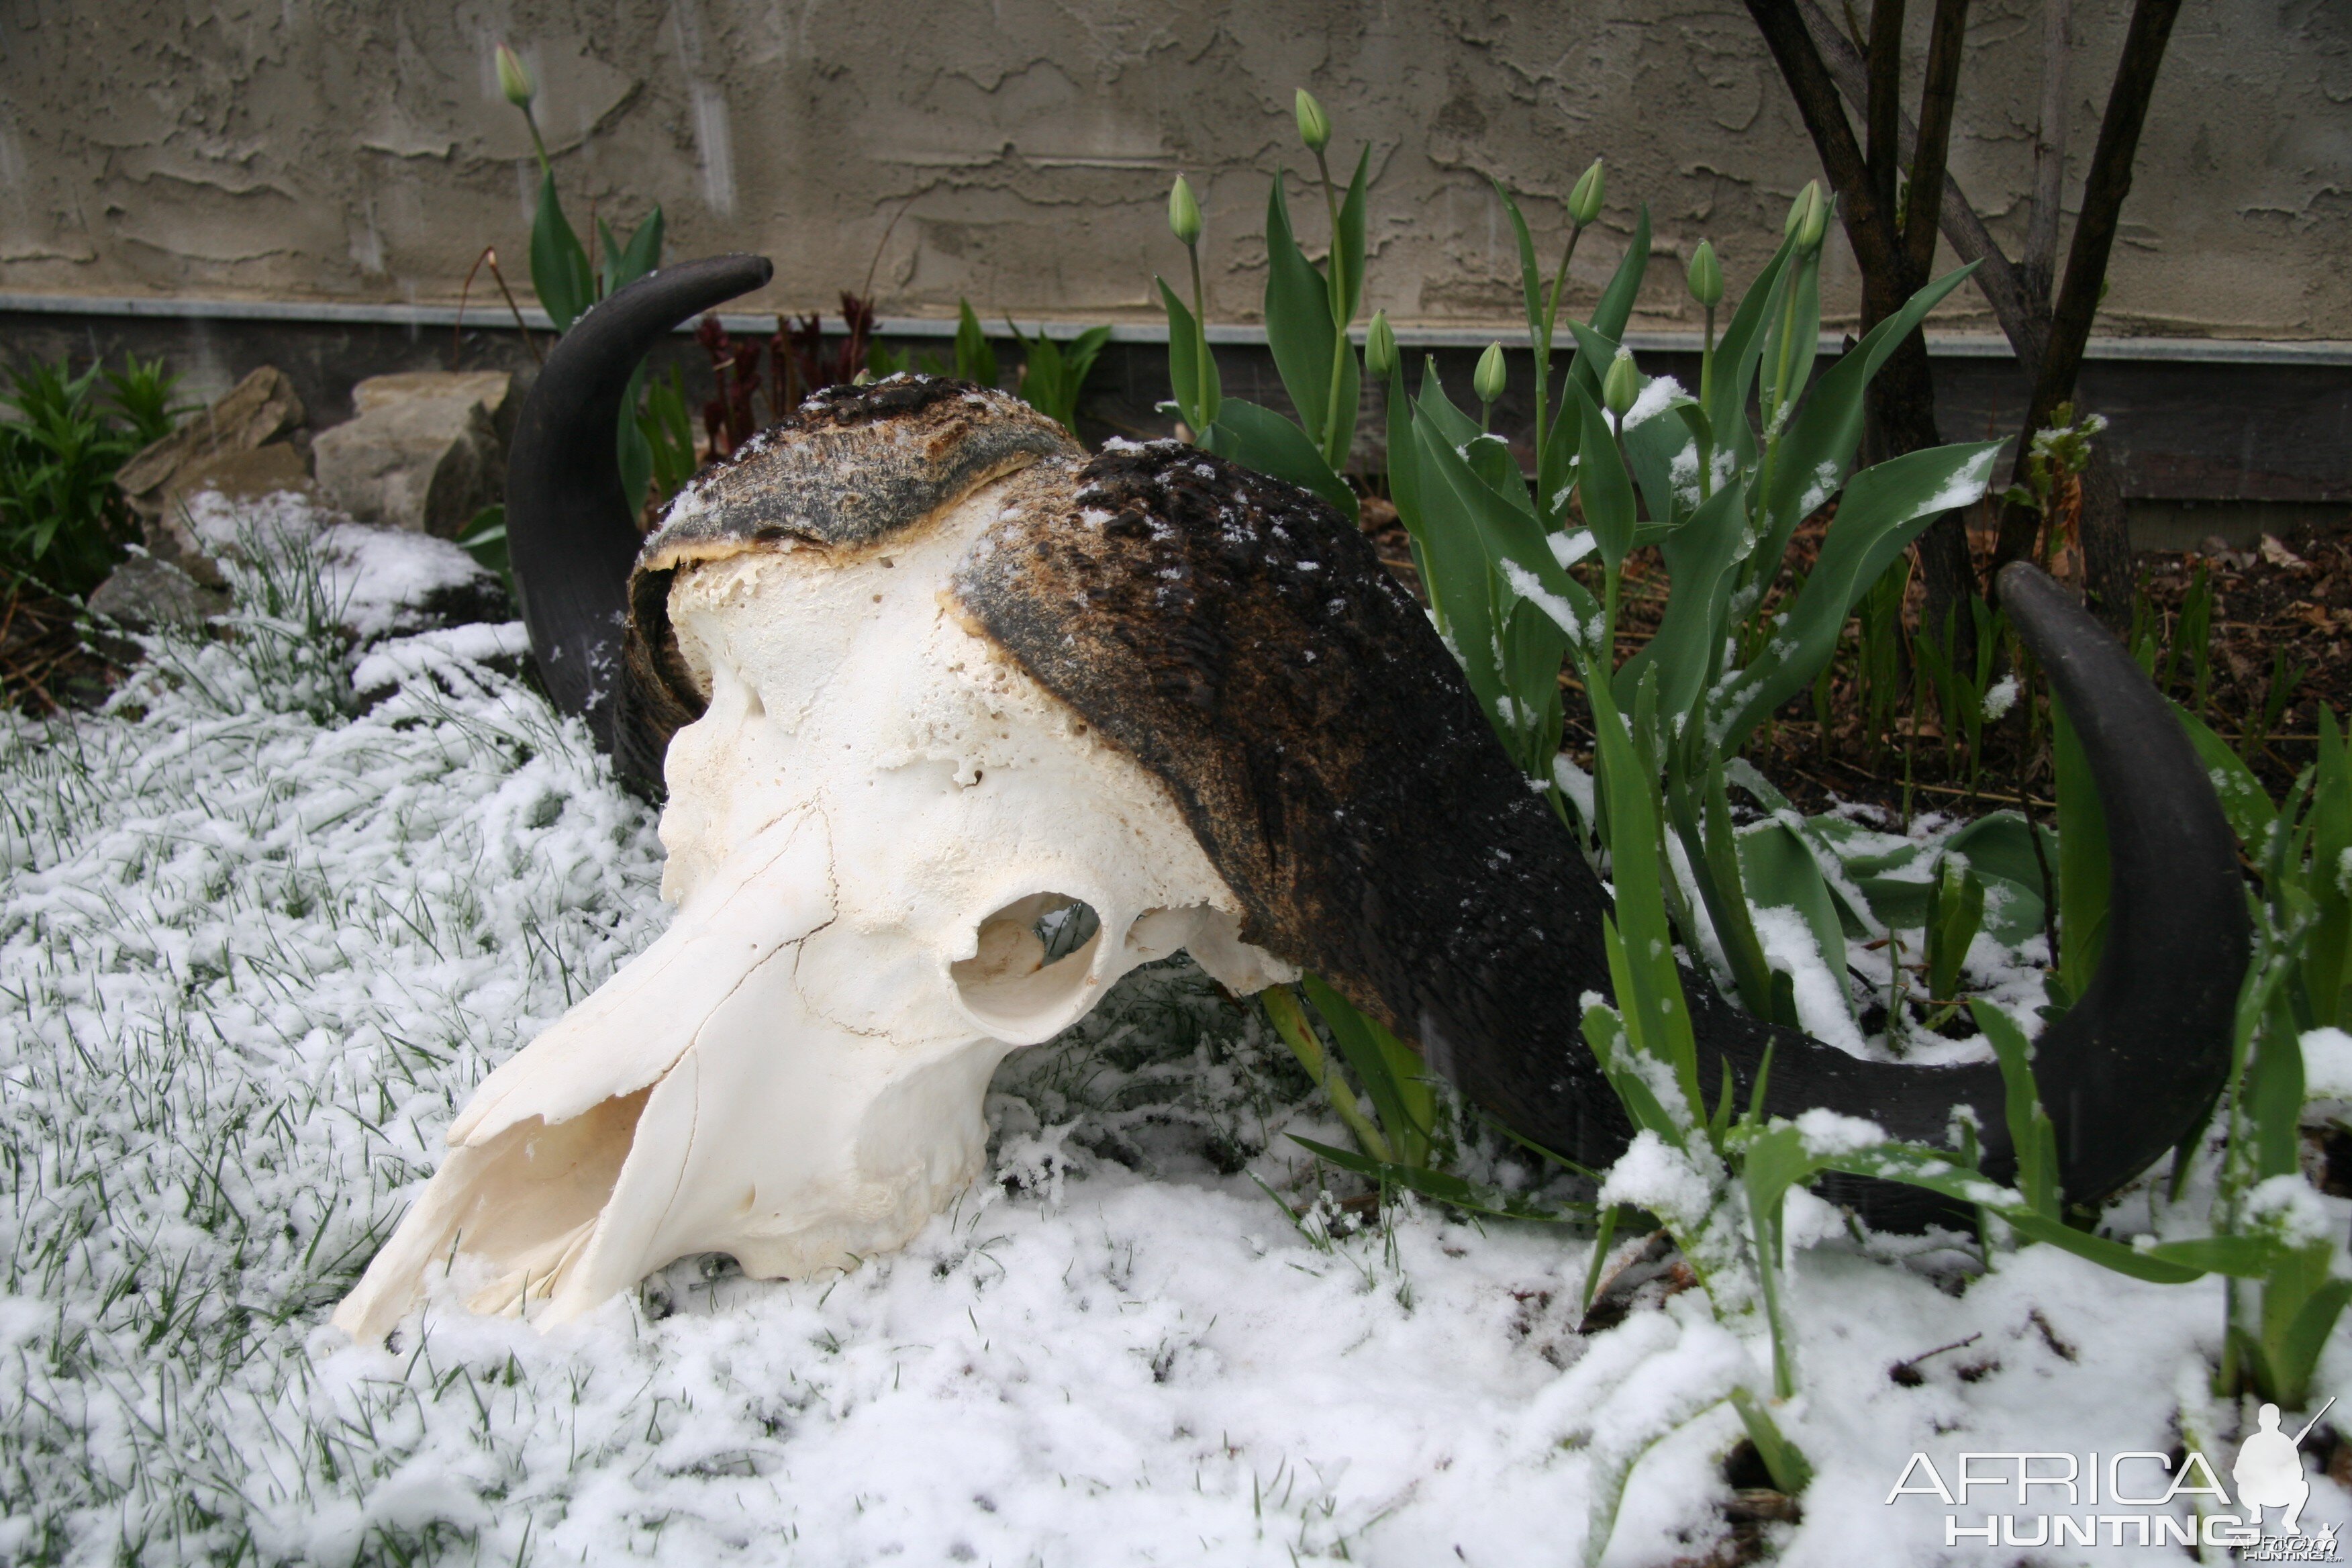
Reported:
(2108, 583)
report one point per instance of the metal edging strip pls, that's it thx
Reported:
(1942, 346)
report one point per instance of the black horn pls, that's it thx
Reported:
(570, 537)
(1243, 642)
(2135, 1064)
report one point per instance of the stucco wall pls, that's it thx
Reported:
(1023, 148)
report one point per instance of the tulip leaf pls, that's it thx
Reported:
(1780, 872)
(2081, 866)
(632, 451)
(975, 357)
(1350, 240)
(1405, 489)
(2031, 1134)
(1455, 427)
(1531, 283)
(1188, 357)
(1490, 458)
(626, 263)
(1460, 579)
(1792, 337)
(2328, 942)
(1884, 510)
(1260, 439)
(1643, 968)
(1738, 355)
(558, 267)
(1701, 558)
(2244, 800)
(1601, 486)
(1818, 447)
(1616, 303)
(1299, 329)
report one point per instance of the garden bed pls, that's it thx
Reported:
(2279, 626)
(257, 945)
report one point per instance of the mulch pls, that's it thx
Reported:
(46, 665)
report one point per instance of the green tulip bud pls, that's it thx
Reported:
(1314, 125)
(1809, 217)
(1584, 201)
(1487, 381)
(1622, 385)
(514, 78)
(1380, 348)
(1183, 214)
(1706, 276)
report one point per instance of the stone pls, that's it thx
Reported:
(257, 411)
(280, 465)
(490, 388)
(425, 454)
(217, 447)
(144, 593)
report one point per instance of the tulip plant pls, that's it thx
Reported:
(1627, 461)
(566, 284)
(1624, 460)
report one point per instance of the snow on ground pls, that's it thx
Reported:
(256, 949)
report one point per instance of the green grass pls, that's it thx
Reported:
(253, 951)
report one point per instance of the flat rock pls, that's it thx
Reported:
(426, 453)
(144, 593)
(258, 410)
(490, 388)
(217, 446)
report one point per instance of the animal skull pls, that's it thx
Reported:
(864, 827)
(919, 672)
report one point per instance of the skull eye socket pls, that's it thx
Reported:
(1066, 927)
(1034, 972)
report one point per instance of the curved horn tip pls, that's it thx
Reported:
(572, 534)
(2137, 1062)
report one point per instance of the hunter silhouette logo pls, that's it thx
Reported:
(2269, 1471)
(2134, 1498)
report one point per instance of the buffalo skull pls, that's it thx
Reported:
(923, 679)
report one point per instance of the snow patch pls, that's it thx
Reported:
(2327, 1064)
(1656, 1176)
(1828, 1135)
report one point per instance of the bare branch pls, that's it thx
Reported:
(1947, 36)
(2012, 307)
(2103, 195)
(2106, 550)
(2039, 259)
(1883, 112)
(1869, 226)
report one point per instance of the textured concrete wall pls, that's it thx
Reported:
(1023, 148)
